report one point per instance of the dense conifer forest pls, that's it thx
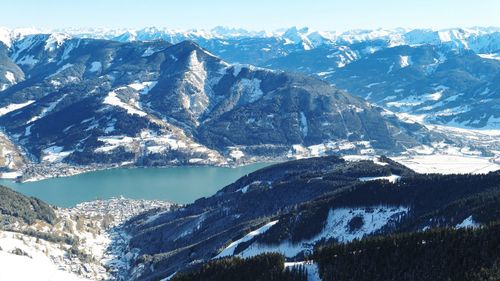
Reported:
(265, 267)
(434, 255)
(14, 205)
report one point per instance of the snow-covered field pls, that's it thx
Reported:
(449, 164)
(473, 151)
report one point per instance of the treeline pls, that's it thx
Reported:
(264, 267)
(27, 209)
(438, 254)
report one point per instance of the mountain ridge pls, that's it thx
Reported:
(157, 104)
(326, 55)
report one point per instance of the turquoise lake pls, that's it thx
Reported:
(177, 184)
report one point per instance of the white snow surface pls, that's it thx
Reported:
(237, 69)
(144, 87)
(96, 224)
(304, 129)
(337, 227)
(114, 100)
(54, 154)
(404, 61)
(448, 164)
(229, 250)
(196, 89)
(11, 175)
(479, 39)
(10, 77)
(310, 266)
(249, 89)
(468, 223)
(492, 56)
(55, 40)
(27, 60)
(14, 106)
(148, 52)
(374, 158)
(236, 153)
(37, 266)
(95, 66)
(391, 178)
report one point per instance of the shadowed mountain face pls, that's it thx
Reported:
(86, 101)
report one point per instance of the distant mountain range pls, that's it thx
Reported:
(479, 39)
(447, 76)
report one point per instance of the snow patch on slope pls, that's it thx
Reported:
(249, 88)
(391, 178)
(493, 56)
(195, 91)
(10, 77)
(448, 164)
(47, 110)
(404, 61)
(229, 250)
(468, 223)
(303, 125)
(28, 60)
(144, 87)
(337, 227)
(54, 154)
(55, 40)
(310, 266)
(95, 66)
(114, 100)
(14, 106)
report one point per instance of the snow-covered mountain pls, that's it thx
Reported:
(479, 39)
(438, 86)
(100, 102)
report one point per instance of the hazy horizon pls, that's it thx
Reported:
(256, 15)
(281, 29)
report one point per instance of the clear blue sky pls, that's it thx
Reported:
(250, 14)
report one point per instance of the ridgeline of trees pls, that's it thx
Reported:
(441, 254)
(28, 209)
(264, 267)
(438, 254)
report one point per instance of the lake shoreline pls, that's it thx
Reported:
(39, 172)
(180, 184)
